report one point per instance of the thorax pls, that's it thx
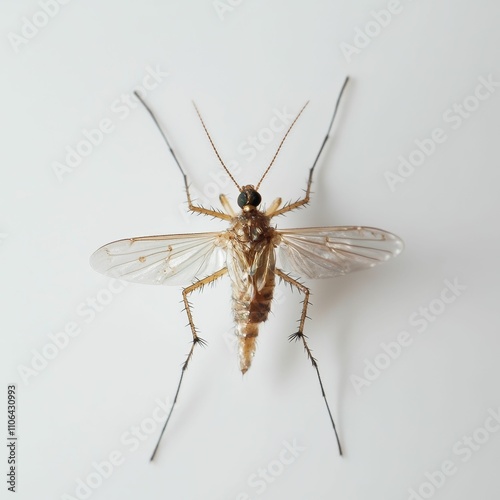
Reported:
(251, 229)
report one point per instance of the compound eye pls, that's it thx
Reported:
(242, 199)
(249, 197)
(254, 198)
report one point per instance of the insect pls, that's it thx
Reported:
(252, 252)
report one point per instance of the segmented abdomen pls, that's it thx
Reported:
(251, 307)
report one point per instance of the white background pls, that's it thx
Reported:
(239, 66)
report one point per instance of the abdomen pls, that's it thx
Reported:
(251, 304)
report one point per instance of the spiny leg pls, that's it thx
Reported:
(192, 208)
(305, 200)
(196, 339)
(300, 336)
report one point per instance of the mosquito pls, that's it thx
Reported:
(252, 252)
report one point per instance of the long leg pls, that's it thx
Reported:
(305, 200)
(196, 339)
(192, 208)
(300, 336)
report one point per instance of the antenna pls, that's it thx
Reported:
(214, 148)
(281, 144)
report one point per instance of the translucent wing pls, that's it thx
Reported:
(325, 252)
(162, 260)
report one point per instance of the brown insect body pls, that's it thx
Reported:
(251, 242)
(252, 253)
